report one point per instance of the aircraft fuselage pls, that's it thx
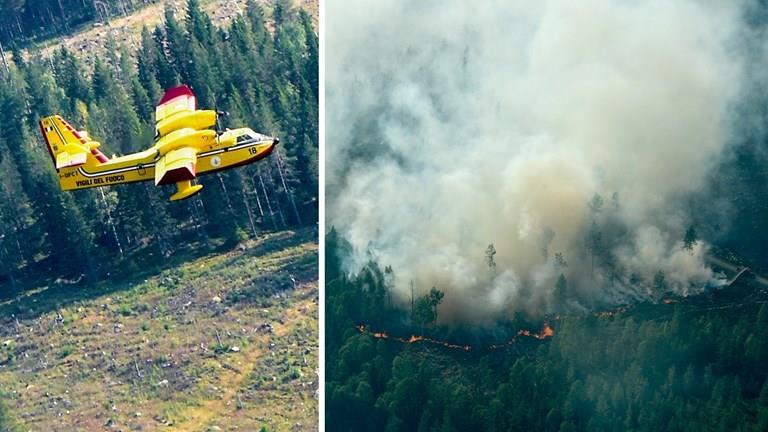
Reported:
(226, 152)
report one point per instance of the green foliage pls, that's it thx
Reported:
(123, 230)
(490, 253)
(125, 310)
(659, 282)
(66, 351)
(662, 367)
(23, 21)
(423, 313)
(6, 422)
(561, 291)
(220, 348)
(691, 237)
(596, 204)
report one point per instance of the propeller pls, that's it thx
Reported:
(219, 115)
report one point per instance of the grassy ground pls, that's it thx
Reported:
(223, 342)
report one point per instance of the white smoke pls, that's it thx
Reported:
(455, 124)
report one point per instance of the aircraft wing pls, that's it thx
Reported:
(175, 100)
(176, 166)
(178, 109)
(67, 147)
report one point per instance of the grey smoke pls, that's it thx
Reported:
(455, 124)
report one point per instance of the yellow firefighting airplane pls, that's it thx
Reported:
(185, 147)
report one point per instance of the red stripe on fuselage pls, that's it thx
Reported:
(99, 155)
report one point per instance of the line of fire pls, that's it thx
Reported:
(693, 304)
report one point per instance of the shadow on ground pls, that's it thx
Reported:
(32, 301)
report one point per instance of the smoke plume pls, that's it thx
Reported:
(567, 134)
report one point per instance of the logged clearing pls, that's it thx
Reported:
(224, 342)
(89, 41)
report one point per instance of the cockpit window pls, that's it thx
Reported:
(243, 138)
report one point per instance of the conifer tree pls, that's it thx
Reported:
(264, 84)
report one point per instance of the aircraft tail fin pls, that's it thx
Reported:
(67, 146)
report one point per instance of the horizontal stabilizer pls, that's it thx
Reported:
(68, 147)
(65, 159)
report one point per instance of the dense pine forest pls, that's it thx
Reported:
(690, 365)
(265, 79)
(22, 21)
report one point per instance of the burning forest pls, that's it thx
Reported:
(572, 193)
(545, 333)
(519, 134)
(702, 351)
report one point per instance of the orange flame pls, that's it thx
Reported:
(546, 332)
